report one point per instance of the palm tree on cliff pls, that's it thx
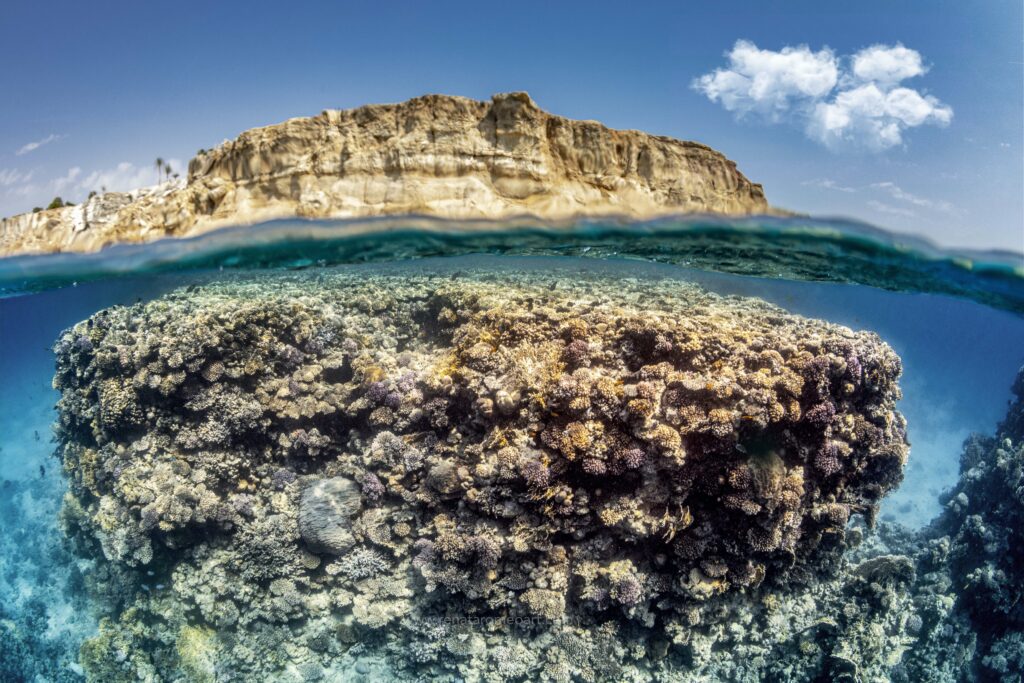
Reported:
(159, 163)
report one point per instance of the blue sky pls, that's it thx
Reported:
(104, 88)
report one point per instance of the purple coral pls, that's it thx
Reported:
(593, 466)
(282, 478)
(662, 344)
(628, 591)
(62, 347)
(816, 374)
(577, 353)
(425, 552)
(406, 383)
(436, 410)
(373, 489)
(291, 356)
(412, 458)
(633, 457)
(244, 504)
(487, 552)
(826, 460)
(536, 473)
(377, 392)
(820, 415)
(854, 368)
(302, 442)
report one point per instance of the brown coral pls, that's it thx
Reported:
(515, 446)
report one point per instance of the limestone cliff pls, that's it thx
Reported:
(435, 155)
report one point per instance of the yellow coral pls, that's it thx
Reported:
(197, 651)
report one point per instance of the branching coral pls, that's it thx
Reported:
(370, 452)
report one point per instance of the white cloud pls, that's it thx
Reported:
(32, 146)
(67, 181)
(896, 192)
(12, 176)
(75, 184)
(23, 190)
(766, 82)
(886, 64)
(892, 191)
(829, 184)
(874, 118)
(889, 209)
(122, 178)
(864, 107)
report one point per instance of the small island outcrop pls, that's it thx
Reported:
(436, 155)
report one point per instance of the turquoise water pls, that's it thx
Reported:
(791, 249)
(956, 320)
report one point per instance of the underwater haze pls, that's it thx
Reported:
(410, 449)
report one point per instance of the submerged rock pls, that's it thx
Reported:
(326, 508)
(591, 467)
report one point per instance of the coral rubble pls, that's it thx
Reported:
(480, 477)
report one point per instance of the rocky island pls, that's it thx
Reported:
(436, 155)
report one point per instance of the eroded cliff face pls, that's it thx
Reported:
(436, 155)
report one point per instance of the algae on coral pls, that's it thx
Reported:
(496, 476)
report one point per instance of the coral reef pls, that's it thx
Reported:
(983, 523)
(494, 476)
(44, 611)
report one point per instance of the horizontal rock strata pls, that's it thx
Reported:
(436, 155)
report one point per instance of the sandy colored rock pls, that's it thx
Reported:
(436, 155)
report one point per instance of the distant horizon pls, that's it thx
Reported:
(912, 124)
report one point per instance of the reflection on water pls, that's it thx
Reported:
(797, 249)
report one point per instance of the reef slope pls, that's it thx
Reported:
(436, 155)
(483, 477)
